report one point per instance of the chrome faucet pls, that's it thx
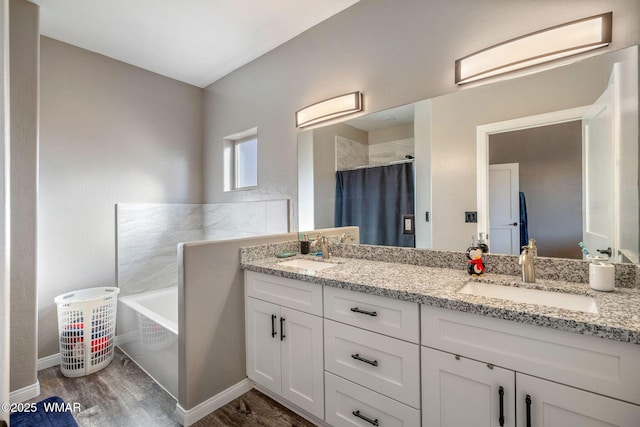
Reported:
(324, 245)
(526, 260)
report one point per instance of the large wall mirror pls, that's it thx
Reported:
(433, 173)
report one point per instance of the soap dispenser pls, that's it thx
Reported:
(481, 244)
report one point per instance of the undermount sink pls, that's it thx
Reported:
(307, 264)
(532, 296)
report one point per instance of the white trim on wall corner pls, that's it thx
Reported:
(25, 393)
(188, 417)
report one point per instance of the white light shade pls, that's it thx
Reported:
(536, 48)
(329, 109)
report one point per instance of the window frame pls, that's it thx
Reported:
(231, 159)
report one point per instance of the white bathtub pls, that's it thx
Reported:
(161, 306)
(148, 333)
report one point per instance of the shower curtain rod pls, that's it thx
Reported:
(375, 165)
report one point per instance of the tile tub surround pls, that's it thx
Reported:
(148, 235)
(618, 318)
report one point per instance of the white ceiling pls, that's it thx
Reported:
(194, 41)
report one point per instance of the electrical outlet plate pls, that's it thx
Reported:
(471, 216)
(408, 224)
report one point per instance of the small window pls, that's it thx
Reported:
(241, 160)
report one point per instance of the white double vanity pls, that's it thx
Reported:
(374, 343)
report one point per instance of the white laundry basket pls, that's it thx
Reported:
(86, 329)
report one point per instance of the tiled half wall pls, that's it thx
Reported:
(148, 235)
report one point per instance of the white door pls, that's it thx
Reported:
(504, 209)
(599, 130)
(461, 392)
(302, 361)
(547, 404)
(263, 344)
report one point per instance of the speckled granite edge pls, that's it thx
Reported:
(567, 270)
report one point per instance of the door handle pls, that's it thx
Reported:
(605, 251)
(513, 224)
(369, 313)
(367, 419)
(273, 325)
(501, 416)
(282, 335)
(362, 359)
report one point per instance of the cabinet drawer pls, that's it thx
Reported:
(386, 365)
(603, 366)
(348, 404)
(398, 319)
(306, 297)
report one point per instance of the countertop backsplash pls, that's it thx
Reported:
(568, 270)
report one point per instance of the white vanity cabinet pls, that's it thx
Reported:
(284, 345)
(536, 360)
(462, 392)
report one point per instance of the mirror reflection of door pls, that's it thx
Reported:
(599, 147)
(550, 176)
(504, 208)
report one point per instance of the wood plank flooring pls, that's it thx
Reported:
(123, 395)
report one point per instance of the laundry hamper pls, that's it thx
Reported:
(86, 328)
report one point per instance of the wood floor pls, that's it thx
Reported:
(123, 395)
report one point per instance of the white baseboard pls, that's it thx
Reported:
(54, 359)
(188, 417)
(25, 393)
(48, 361)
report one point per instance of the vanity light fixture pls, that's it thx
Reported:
(329, 109)
(536, 48)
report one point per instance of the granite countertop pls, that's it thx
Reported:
(618, 316)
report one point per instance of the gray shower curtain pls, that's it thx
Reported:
(375, 199)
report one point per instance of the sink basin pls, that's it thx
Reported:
(307, 264)
(532, 296)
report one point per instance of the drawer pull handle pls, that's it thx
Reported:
(528, 400)
(369, 313)
(367, 419)
(273, 325)
(501, 417)
(282, 335)
(370, 362)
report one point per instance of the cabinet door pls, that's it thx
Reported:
(462, 392)
(556, 405)
(302, 361)
(263, 344)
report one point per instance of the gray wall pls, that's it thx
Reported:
(394, 55)
(23, 60)
(550, 169)
(211, 314)
(109, 133)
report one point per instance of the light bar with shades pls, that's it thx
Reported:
(329, 109)
(536, 48)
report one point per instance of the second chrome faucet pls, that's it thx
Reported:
(526, 261)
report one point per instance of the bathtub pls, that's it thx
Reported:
(147, 328)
